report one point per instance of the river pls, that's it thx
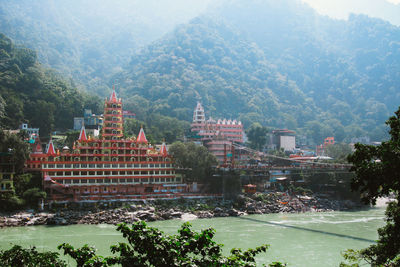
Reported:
(305, 239)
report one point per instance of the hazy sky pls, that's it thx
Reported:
(385, 9)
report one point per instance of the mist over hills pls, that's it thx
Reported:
(275, 62)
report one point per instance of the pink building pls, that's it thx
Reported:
(205, 130)
(218, 136)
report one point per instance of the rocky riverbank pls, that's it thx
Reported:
(178, 209)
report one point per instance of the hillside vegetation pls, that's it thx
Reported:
(29, 93)
(274, 62)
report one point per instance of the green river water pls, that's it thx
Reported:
(305, 239)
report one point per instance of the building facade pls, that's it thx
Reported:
(284, 139)
(219, 136)
(7, 172)
(109, 167)
(205, 130)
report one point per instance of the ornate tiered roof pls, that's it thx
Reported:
(141, 139)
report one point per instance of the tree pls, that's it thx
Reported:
(194, 157)
(377, 171)
(339, 151)
(257, 135)
(149, 246)
(29, 257)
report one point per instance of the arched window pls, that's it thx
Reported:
(95, 159)
(114, 152)
(114, 159)
(114, 112)
(114, 131)
(76, 159)
(114, 125)
(114, 105)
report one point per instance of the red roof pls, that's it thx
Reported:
(163, 150)
(141, 137)
(113, 97)
(50, 149)
(82, 135)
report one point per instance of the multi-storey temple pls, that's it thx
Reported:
(219, 136)
(109, 167)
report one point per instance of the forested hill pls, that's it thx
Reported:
(279, 63)
(275, 62)
(92, 39)
(205, 60)
(29, 93)
(351, 69)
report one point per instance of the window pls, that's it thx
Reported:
(75, 181)
(99, 181)
(83, 181)
(107, 180)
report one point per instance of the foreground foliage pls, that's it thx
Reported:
(377, 175)
(147, 246)
(29, 257)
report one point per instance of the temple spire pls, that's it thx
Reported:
(50, 149)
(113, 97)
(141, 136)
(82, 135)
(163, 150)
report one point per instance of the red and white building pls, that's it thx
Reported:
(219, 136)
(109, 167)
(231, 130)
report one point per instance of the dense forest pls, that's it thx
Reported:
(278, 63)
(35, 95)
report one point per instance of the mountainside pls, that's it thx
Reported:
(275, 62)
(206, 61)
(90, 40)
(29, 93)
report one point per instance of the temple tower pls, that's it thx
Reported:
(113, 118)
(198, 114)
